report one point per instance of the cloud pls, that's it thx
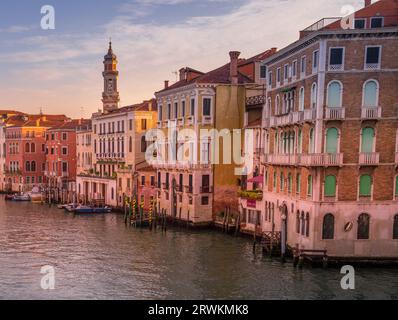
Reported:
(69, 66)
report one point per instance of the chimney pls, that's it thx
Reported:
(368, 3)
(183, 74)
(233, 72)
(166, 84)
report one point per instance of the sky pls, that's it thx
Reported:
(60, 71)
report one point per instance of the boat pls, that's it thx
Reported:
(92, 210)
(21, 197)
(9, 197)
(66, 206)
(70, 207)
(36, 196)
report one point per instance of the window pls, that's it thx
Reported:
(183, 109)
(294, 69)
(159, 113)
(282, 181)
(192, 107)
(168, 111)
(278, 75)
(376, 22)
(298, 222)
(363, 226)
(395, 228)
(332, 137)
(143, 124)
(336, 59)
(300, 142)
(359, 23)
(334, 95)
(143, 144)
(311, 147)
(298, 183)
(270, 78)
(303, 65)
(27, 166)
(207, 107)
(365, 185)
(328, 227)
(289, 183)
(175, 110)
(64, 136)
(263, 71)
(205, 201)
(274, 181)
(314, 95)
(372, 59)
(307, 225)
(64, 167)
(302, 99)
(130, 144)
(286, 72)
(159, 179)
(64, 150)
(152, 181)
(315, 57)
(143, 180)
(370, 94)
(367, 140)
(27, 147)
(330, 186)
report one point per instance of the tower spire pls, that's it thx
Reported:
(110, 96)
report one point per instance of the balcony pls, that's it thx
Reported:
(336, 67)
(206, 189)
(372, 66)
(251, 194)
(369, 159)
(371, 112)
(283, 159)
(309, 114)
(322, 160)
(334, 113)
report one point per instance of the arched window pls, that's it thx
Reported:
(314, 95)
(277, 104)
(332, 137)
(143, 144)
(289, 181)
(363, 226)
(395, 228)
(33, 166)
(365, 185)
(328, 227)
(27, 147)
(302, 224)
(32, 147)
(334, 94)
(309, 185)
(298, 222)
(300, 141)
(282, 181)
(367, 140)
(312, 141)
(307, 224)
(370, 94)
(302, 99)
(27, 166)
(330, 186)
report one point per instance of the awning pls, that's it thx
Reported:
(258, 179)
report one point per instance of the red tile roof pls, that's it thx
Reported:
(143, 106)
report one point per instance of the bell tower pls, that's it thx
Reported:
(110, 96)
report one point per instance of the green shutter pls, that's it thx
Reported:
(367, 140)
(365, 184)
(298, 183)
(330, 186)
(310, 185)
(396, 185)
(331, 140)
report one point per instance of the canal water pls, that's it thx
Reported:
(97, 257)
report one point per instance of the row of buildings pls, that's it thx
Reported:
(301, 142)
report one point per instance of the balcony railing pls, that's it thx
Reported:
(371, 113)
(372, 66)
(322, 159)
(334, 113)
(282, 159)
(369, 159)
(206, 189)
(336, 67)
(309, 114)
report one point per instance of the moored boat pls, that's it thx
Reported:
(92, 210)
(21, 197)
